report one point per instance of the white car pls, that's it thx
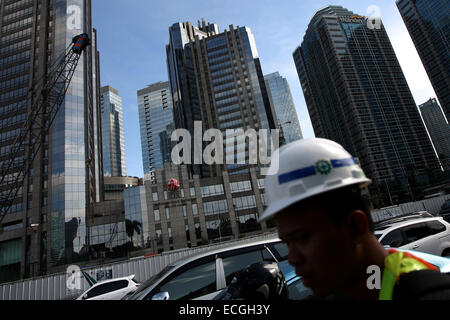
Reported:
(113, 289)
(429, 235)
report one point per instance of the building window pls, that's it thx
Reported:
(194, 209)
(157, 216)
(241, 186)
(192, 191)
(208, 191)
(155, 196)
(167, 213)
(242, 203)
(215, 207)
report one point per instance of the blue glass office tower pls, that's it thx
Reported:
(357, 95)
(156, 124)
(66, 176)
(428, 24)
(439, 130)
(284, 107)
(113, 141)
(216, 78)
(76, 167)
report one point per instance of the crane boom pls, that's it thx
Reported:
(46, 99)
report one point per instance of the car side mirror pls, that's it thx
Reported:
(161, 296)
(85, 296)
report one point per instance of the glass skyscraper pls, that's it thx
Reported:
(428, 24)
(65, 178)
(113, 141)
(283, 105)
(216, 78)
(156, 124)
(357, 95)
(439, 130)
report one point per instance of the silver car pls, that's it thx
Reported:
(429, 235)
(203, 276)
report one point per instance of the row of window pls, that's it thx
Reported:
(25, 55)
(14, 82)
(16, 4)
(15, 46)
(15, 69)
(13, 107)
(227, 101)
(232, 115)
(16, 35)
(208, 191)
(13, 120)
(241, 186)
(215, 207)
(17, 24)
(17, 14)
(13, 94)
(223, 79)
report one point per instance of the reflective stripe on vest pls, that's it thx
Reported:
(396, 264)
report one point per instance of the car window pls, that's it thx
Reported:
(192, 283)
(238, 262)
(282, 249)
(416, 232)
(298, 291)
(436, 227)
(393, 239)
(99, 290)
(117, 285)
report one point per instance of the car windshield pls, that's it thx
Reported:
(378, 235)
(148, 283)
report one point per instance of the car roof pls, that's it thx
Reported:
(395, 225)
(188, 259)
(130, 277)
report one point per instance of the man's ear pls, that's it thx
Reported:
(358, 223)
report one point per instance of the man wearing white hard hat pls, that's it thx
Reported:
(314, 194)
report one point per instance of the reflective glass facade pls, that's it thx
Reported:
(439, 130)
(428, 24)
(357, 95)
(113, 141)
(283, 104)
(156, 125)
(66, 173)
(224, 88)
(75, 183)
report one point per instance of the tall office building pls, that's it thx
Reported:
(65, 178)
(357, 95)
(156, 125)
(438, 129)
(281, 98)
(216, 78)
(113, 141)
(428, 24)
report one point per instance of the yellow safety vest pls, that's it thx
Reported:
(396, 264)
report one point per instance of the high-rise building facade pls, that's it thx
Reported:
(357, 95)
(428, 24)
(156, 124)
(46, 227)
(281, 98)
(439, 130)
(216, 78)
(113, 141)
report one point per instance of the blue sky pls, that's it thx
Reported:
(132, 35)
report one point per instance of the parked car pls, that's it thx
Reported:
(203, 276)
(429, 235)
(445, 210)
(112, 289)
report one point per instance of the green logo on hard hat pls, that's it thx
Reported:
(323, 167)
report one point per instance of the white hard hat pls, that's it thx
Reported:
(308, 167)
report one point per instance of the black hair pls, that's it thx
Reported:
(340, 202)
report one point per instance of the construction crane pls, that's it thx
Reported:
(46, 97)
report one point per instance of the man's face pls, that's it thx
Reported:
(321, 251)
